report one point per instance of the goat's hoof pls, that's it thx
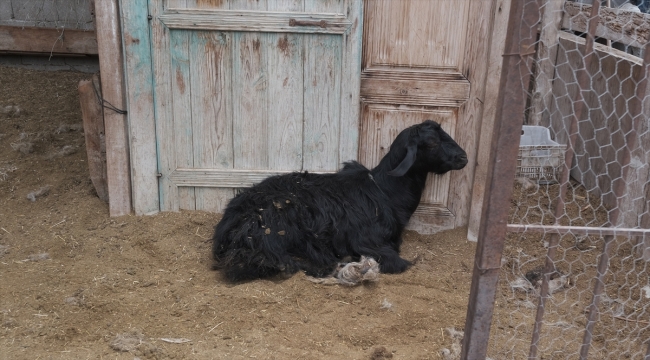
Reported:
(394, 267)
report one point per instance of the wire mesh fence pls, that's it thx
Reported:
(574, 271)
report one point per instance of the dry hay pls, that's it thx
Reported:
(176, 340)
(352, 273)
(380, 353)
(646, 291)
(38, 257)
(11, 110)
(43, 191)
(3, 250)
(5, 170)
(532, 282)
(134, 342)
(64, 128)
(456, 340)
(64, 151)
(77, 299)
(127, 341)
(24, 147)
(386, 305)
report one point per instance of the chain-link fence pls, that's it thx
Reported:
(574, 267)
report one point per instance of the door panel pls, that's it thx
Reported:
(323, 77)
(383, 124)
(246, 89)
(416, 33)
(423, 60)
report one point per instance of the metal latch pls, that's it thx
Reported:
(294, 22)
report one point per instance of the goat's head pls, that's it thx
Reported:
(428, 148)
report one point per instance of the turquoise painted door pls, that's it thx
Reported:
(244, 89)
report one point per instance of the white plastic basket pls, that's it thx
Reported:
(540, 158)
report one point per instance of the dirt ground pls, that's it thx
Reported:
(77, 284)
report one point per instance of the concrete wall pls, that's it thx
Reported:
(70, 14)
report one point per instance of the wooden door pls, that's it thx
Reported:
(423, 60)
(244, 89)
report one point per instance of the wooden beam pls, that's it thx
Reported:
(627, 27)
(93, 121)
(501, 12)
(47, 40)
(469, 127)
(109, 41)
(139, 68)
(546, 56)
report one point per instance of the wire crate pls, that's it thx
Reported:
(540, 158)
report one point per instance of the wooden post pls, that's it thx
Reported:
(523, 19)
(93, 121)
(139, 64)
(546, 57)
(47, 40)
(109, 43)
(495, 60)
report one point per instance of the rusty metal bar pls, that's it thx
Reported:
(631, 142)
(549, 268)
(578, 230)
(321, 23)
(521, 36)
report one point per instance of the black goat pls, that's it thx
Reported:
(303, 221)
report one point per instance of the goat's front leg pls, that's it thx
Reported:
(389, 260)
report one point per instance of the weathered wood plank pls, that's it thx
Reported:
(468, 127)
(142, 124)
(226, 178)
(247, 4)
(285, 102)
(255, 21)
(322, 84)
(627, 27)
(500, 15)
(425, 91)
(181, 95)
(250, 103)
(159, 66)
(109, 45)
(327, 6)
(286, 5)
(212, 120)
(438, 40)
(93, 123)
(325, 143)
(381, 125)
(350, 90)
(47, 40)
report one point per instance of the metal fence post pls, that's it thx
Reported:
(520, 40)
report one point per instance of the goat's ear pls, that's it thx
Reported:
(408, 161)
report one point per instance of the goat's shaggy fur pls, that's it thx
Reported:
(304, 221)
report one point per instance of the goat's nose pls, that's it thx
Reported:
(462, 160)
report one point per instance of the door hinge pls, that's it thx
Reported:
(149, 17)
